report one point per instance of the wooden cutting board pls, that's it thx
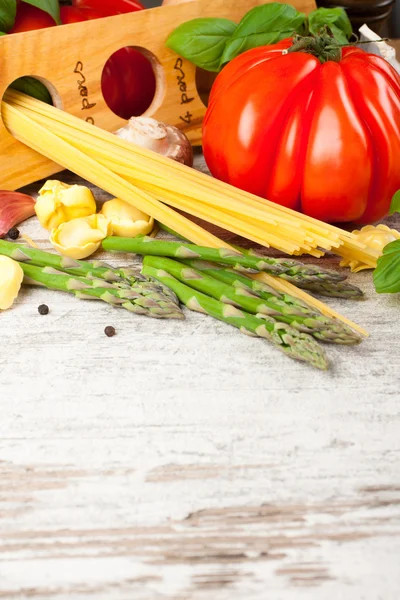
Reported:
(70, 60)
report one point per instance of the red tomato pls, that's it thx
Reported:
(128, 83)
(109, 8)
(321, 138)
(29, 17)
(70, 14)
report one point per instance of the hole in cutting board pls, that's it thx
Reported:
(39, 88)
(133, 82)
(204, 81)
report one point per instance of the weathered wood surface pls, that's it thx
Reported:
(183, 460)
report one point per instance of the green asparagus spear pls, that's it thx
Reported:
(318, 285)
(153, 304)
(257, 297)
(297, 272)
(290, 341)
(300, 273)
(341, 289)
(92, 270)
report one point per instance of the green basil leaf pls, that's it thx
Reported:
(32, 87)
(392, 247)
(202, 41)
(265, 24)
(387, 273)
(395, 204)
(334, 18)
(52, 7)
(8, 10)
(338, 34)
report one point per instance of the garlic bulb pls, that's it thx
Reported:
(159, 137)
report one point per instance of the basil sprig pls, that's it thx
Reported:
(334, 18)
(202, 41)
(387, 272)
(266, 24)
(211, 43)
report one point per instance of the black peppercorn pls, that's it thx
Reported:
(109, 331)
(13, 234)
(43, 309)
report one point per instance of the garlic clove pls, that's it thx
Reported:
(81, 237)
(14, 208)
(11, 276)
(59, 202)
(159, 137)
(125, 219)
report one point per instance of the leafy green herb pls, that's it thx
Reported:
(211, 43)
(395, 205)
(32, 87)
(52, 7)
(202, 41)
(266, 24)
(334, 18)
(8, 10)
(387, 272)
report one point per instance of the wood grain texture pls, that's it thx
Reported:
(78, 52)
(183, 460)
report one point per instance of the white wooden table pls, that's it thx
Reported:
(183, 460)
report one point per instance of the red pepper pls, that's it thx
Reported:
(29, 17)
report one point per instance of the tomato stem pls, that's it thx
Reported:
(324, 47)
